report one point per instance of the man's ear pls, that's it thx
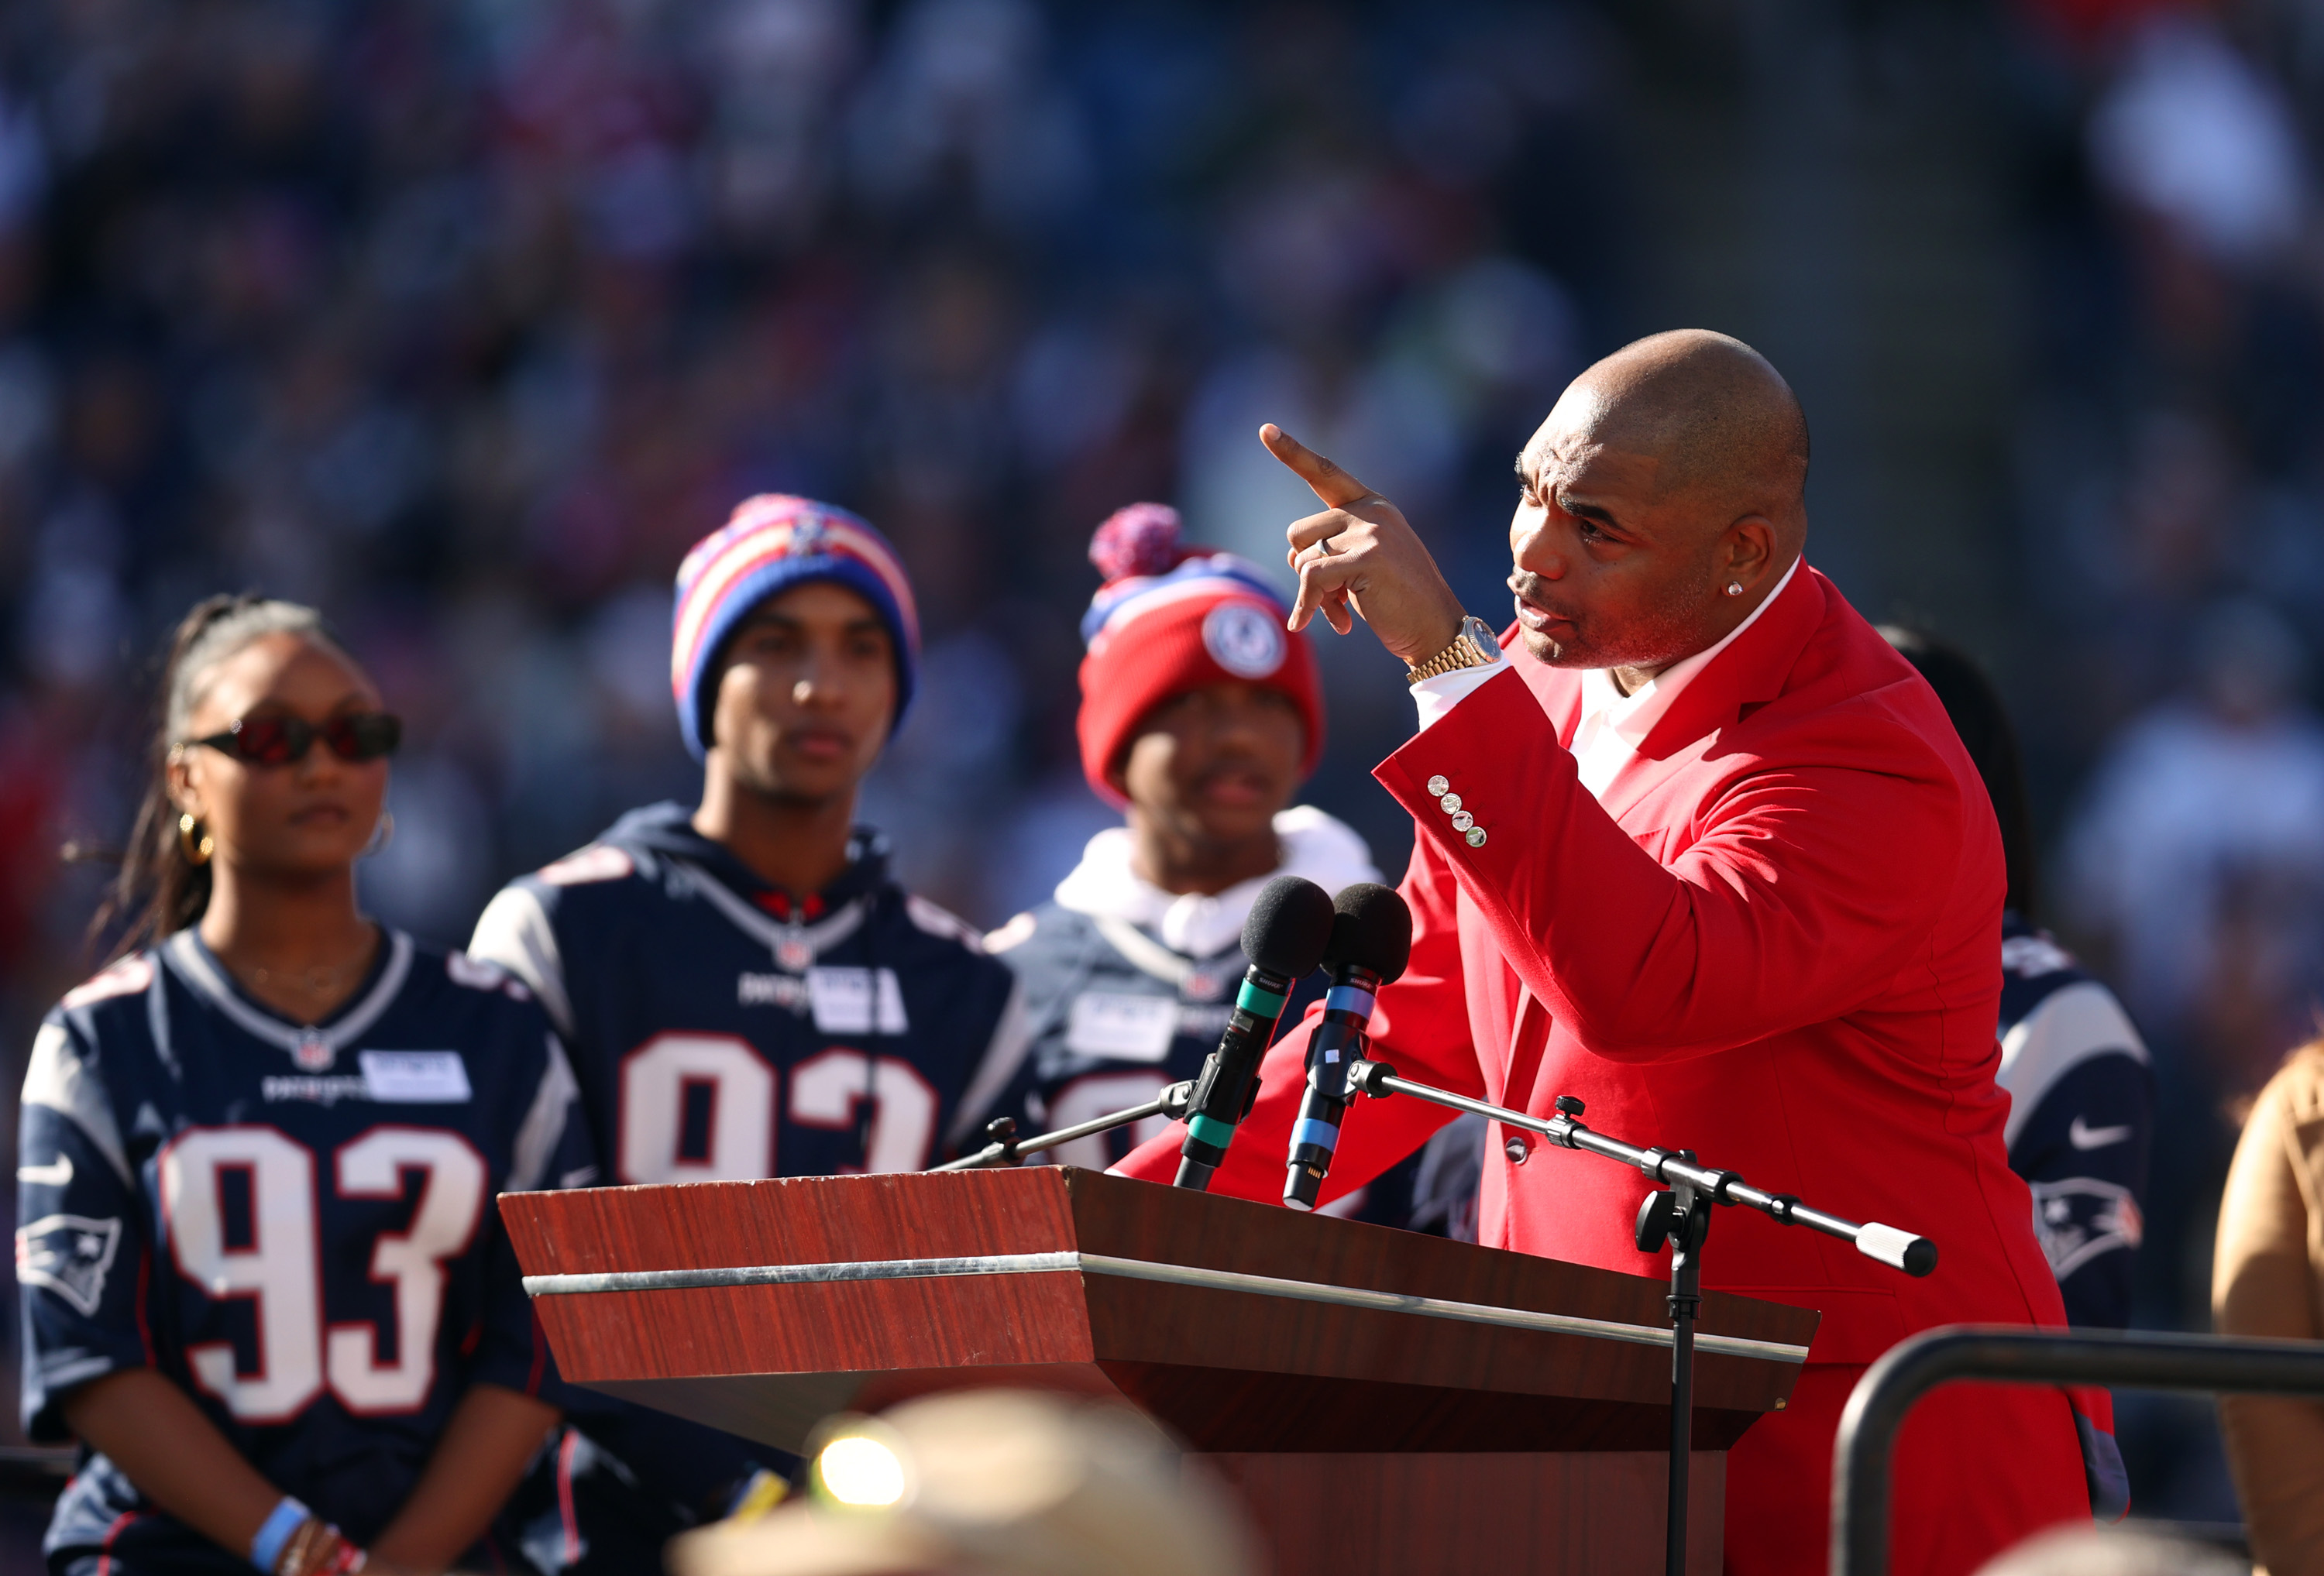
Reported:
(1750, 550)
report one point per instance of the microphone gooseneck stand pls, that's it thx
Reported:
(1285, 936)
(1682, 1218)
(1007, 1147)
(1369, 944)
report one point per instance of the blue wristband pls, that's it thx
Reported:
(284, 1520)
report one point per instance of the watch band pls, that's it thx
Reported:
(1475, 646)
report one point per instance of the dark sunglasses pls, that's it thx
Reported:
(280, 741)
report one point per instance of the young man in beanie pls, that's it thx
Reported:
(1200, 717)
(743, 989)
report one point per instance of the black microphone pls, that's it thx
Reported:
(1284, 937)
(1371, 941)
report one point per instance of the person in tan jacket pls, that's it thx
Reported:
(2268, 1279)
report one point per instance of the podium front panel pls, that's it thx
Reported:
(761, 1307)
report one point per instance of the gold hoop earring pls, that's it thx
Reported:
(381, 835)
(197, 850)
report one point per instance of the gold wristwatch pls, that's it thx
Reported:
(1476, 646)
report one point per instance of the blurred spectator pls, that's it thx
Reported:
(2270, 1261)
(2112, 1552)
(462, 320)
(989, 1483)
(2192, 135)
(2169, 490)
(2199, 861)
(2081, 1124)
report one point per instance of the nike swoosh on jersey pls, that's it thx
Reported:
(2082, 1136)
(57, 1174)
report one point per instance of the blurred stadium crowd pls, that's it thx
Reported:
(460, 319)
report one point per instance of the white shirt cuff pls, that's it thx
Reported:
(1436, 696)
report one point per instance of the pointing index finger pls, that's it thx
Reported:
(1326, 480)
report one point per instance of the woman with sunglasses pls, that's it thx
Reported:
(264, 1283)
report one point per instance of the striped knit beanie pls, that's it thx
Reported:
(771, 543)
(1169, 618)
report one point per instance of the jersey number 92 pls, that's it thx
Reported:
(702, 1108)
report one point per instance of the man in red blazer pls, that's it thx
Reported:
(1707, 853)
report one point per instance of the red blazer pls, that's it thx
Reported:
(1775, 943)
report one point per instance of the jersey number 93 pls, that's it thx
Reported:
(275, 1262)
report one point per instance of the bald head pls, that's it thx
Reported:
(1663, 502)
(1717, 420)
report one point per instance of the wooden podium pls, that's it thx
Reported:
(1387, 1404)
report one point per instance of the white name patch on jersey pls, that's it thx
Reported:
(1131, 1028)
(415, 1077)
(847, 1001)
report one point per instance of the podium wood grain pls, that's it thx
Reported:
(1272, 1381)
(1600, 1512)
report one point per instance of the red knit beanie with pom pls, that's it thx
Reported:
(1169, 618)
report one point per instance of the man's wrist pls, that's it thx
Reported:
(1471, 644)
(1450, 632)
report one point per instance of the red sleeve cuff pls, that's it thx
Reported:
(1456, 778)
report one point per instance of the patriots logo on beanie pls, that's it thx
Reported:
(1169, 618)
(1243, 641)
(770, 544)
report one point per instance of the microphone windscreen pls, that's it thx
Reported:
(1371, 928)
(1289, 927)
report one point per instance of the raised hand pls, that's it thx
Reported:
(1361, 559)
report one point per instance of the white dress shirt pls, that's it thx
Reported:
(1613, 725)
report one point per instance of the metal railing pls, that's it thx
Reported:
(2012, 1354)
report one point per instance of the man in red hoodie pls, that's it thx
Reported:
(1707, 853)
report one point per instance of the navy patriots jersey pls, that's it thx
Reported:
(295, 1224)
(719, 1032)
(2081, 1119)
(718, 1036)
(1113, 1016)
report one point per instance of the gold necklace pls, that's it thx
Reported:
(316, 979)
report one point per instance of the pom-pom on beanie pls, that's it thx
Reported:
(1171, 618)
(770, 544)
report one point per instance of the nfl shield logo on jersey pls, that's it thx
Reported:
(313, 1053)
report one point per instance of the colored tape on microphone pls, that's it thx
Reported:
(1352, 998)
(1209, 1131)
(1259, 1002)
(1321, 1135)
